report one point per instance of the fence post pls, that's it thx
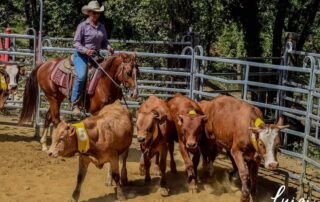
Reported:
(246, 78)
(312, 81)
(1, 55)
(7, 44)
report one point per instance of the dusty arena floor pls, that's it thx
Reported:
(28, 174)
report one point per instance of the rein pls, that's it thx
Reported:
(112, 80)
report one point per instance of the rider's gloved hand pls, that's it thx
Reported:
(90, 52)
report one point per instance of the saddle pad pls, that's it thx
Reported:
(65, 80)
(59, 77)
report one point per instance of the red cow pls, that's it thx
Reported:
(239, 128)
(156, 133)
(189, 121)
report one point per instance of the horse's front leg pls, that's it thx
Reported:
(52, 116)
(44, 135)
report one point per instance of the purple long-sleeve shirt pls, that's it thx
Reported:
(90, 36)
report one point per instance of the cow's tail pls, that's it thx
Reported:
(30, 97)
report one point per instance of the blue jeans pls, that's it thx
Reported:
(80, 65)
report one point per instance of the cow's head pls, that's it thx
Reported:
(11, 74)
(64, 142)
(191, 125)
(265, 139)
(149, 125)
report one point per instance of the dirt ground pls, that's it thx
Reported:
(28, 174)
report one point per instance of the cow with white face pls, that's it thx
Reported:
(9, 77)
(239, 128)
(268, 141)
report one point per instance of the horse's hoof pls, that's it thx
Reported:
(164, 192)
(74, 200)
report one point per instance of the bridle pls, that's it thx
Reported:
(121, 67)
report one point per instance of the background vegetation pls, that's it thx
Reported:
(231, 28)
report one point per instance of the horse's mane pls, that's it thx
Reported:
(106, 64)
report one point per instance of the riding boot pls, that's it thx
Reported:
(75, 109)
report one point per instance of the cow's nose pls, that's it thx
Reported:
(273, 165)
(13, 86)
(141, 138)
(191, 145)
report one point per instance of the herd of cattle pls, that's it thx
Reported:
(202, 128)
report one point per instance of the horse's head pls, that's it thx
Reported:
(128, 72)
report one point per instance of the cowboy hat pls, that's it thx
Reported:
(92, 6)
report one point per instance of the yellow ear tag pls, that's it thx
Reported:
(82, 136)
(258, 122)
(254, 141)
(192, 112)
(3, 83)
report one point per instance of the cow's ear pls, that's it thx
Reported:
(156, 114)
(23, 72)
(72, 131)
(283, 127)
(255, 129)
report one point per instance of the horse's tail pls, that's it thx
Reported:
(30, 97)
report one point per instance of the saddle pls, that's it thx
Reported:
(64, 75)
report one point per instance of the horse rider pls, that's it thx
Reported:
(90, 35)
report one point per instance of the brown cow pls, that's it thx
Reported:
(156, 133)
(189, 120)
(9, 77)
(238, 127)
(110, 134)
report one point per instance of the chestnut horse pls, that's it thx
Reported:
(116, 70)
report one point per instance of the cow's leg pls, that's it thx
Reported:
(163, 164)
(189, 168)
(234, 171)
(195, 161)
(83, 167)
(116, 177)
(141, 164)
(124, 174)
(253, 170)
(173, 166)
(46, 125)
(243, 172)
(109, 174)
(147, 164)
(156, 165)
